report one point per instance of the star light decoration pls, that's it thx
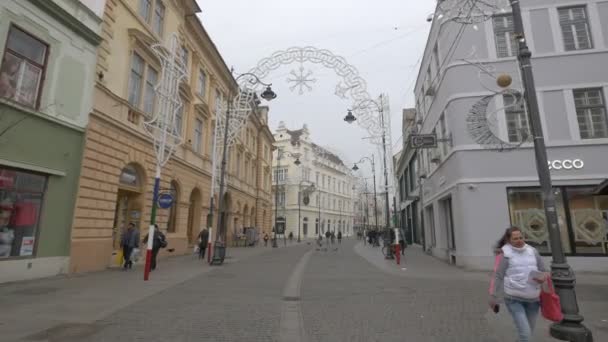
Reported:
(470, 11)
(301, 80)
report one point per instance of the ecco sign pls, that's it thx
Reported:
(566, 164)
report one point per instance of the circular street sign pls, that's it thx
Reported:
(306, 200)
(165, 200)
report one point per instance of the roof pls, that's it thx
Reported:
(328, 155)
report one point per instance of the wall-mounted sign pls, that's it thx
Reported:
(566, 164)
(423, 140)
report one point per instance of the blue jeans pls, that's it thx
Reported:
(524, 315)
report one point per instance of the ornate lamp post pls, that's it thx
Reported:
(571, 327)
(219, 251)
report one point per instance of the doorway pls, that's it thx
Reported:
(129, 205)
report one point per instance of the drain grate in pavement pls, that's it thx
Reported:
(66, 332)
(33, 291)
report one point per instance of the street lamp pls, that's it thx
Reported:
(355, 168)
(276, 190)
(350, 118)
(219, 251)
(570, 328)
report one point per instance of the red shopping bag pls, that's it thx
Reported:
(550, 306)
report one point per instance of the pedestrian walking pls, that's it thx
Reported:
(519, 273)
(290, 237)
(129, 241)
(339, 237)
(333, 237)
(265, 239)
(402, 240)
(158, 241)
(203, 240)
(327, 236)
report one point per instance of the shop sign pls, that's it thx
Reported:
(566, 164)
(27, 246)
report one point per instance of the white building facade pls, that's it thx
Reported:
(471, 191)
(316, 195)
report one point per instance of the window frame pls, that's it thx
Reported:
(512, 43)
(152, 22)
(572, 22)
(603, 107)
(201, 88)
(43, 67)
(197, 146)
(519, 115)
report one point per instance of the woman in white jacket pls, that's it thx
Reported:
(518, 276)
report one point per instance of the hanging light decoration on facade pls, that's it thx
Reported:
(470, 11)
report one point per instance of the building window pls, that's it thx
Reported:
(218, 101)
(135, 80)
(144, 9)
(149, 93)
(159, 17)
(238, 164)
(198, 136)
(179, 118)
(280, 175)
(527, 212)
(591, 113)
(443, 128)
(504, 35)
(185, 54)
(575, 28)
(202, 83)
(517, 122)
(583, 231)
(436, 58)
(21, 197)
(282, 198)
(22, 68)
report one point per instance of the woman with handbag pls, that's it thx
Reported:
(519, 273)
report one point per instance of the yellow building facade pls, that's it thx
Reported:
(118, 167)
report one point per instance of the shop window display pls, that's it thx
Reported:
(583, 219)
(21, 195)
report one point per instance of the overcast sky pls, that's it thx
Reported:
(383, 39)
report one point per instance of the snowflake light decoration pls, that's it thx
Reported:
(301, 80)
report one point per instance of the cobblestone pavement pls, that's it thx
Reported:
(424, 299)
(346, 294)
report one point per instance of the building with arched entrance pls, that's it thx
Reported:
(118, 166)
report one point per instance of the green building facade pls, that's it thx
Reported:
(47, 76)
